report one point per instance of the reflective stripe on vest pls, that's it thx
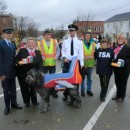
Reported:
(89, 53)
(49, 53)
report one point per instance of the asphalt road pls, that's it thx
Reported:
(115, 116)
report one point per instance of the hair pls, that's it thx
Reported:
(104, 40)
(121, 36)
(88, 33)
(31, 38)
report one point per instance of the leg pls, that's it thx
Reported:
(33, 95)
(118, 81)
(89, 81)
(24, 90)
(104, 81)
(6, 91)
(124, 85)
(45, 96)
(52, 69)
(13, 92)
(74, 96)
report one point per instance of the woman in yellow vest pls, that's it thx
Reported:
(89, 62)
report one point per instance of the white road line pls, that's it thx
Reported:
(3, 94)
(99, 110)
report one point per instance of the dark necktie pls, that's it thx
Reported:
(72, 48)
(9, 44)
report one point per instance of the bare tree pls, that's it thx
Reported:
(25, 27)
(85, 16)
(32, 29)
(3, 6)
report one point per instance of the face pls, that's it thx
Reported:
(31, 44)
(72, 33)
(8, 36)
(47, 36)
(120, 40)
(104, 45)
(87, 37)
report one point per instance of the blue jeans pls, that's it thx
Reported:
(88, 72)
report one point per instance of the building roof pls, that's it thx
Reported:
(119, 17)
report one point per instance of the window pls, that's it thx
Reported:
(108, 26)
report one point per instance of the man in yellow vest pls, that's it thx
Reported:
(48, 46)
(89, 62)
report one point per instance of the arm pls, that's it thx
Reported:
(1, 63)
(81, 54)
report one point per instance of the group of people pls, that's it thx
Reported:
(44, 57)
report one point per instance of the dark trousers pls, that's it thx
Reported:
(9, 90)
(50, 70)
(121, 84)
(104, 82)
(28, 92)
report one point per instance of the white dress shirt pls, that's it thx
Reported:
(78, 49)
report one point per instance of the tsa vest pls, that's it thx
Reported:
(48, 53)
(89, 55)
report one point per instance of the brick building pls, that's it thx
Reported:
(95, 27)
(6, 20)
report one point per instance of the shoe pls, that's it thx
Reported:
(6, 111)
(119, 100)
(114, 98)
(102, 99)
(16, 106)
(27, 105)
(65, 98)
(89, 93)
(82, 93)
(35, 103)
(55, 95)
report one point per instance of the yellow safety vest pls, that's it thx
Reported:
(89, 55)
(48, 53)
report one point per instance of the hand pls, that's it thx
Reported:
(66, 60)
(2, 78)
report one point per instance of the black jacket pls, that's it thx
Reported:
(23, 69)
(124, 54)
(104, 58)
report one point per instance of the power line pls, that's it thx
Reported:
(114, 9)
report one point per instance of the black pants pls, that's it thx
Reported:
(50, 70)
(104, 82)
(121, 84)
(28, 92)
(9, 90)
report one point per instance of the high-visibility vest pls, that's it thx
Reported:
(89, 60)
(48, 53)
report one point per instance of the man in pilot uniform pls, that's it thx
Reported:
(71, 47)
(7, 70)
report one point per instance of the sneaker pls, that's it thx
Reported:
(89, 93)
(82, 93)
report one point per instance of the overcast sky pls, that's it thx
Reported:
(54, 13)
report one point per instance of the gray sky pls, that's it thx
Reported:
(54, 13)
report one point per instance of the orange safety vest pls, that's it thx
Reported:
(48, 53)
